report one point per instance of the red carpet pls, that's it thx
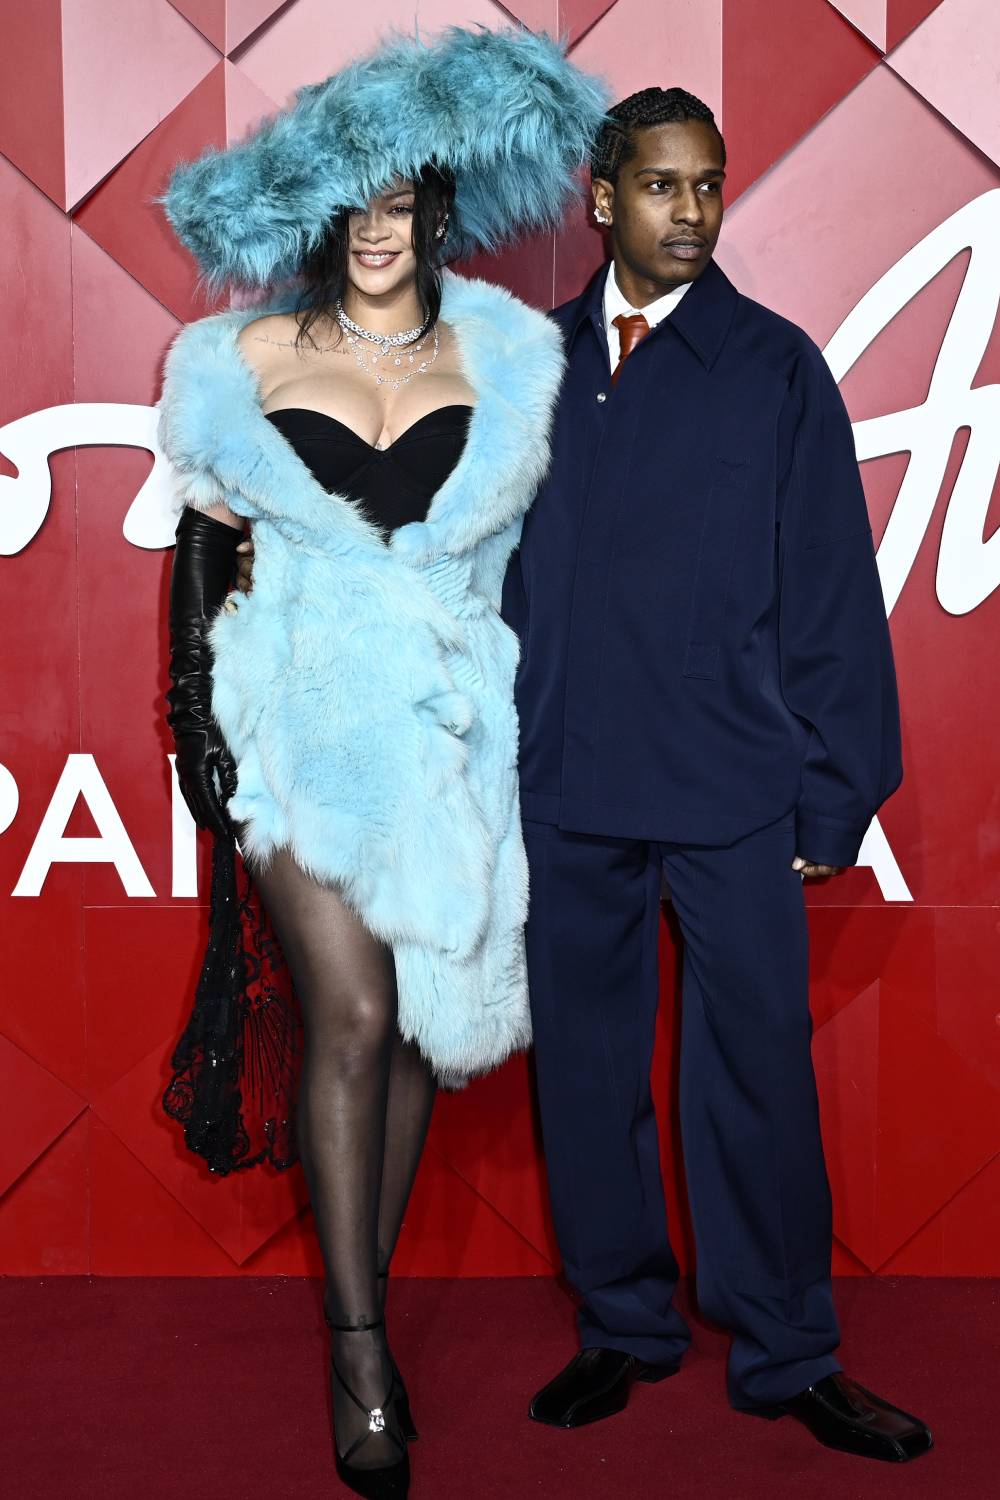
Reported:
(214, 1390)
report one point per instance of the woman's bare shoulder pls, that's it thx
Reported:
(268, 338)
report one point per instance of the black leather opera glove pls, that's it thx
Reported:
(204, 560)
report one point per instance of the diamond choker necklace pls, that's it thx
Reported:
(385, 341)
(398, 351)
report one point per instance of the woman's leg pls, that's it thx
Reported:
(412, 1087)
(346, 985)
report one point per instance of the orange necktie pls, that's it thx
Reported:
(632, 329)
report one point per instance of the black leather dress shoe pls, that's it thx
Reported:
(844, 1415)
(595, 1384)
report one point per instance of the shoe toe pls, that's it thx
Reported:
(845, 1415)
(581, 1412)
(918, 1442)
(593, 1385)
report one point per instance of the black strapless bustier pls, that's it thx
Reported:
(393, 485)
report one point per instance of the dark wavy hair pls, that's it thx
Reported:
(324, 268)
(615, 143)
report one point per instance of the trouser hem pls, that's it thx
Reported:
(793, 1382)
(651, 1351)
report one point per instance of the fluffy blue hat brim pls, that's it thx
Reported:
(503, 110)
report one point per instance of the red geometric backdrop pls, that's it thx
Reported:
(863, 137)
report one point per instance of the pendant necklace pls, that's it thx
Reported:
(396, 351)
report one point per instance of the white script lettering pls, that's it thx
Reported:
(968, 568)
(28, 442)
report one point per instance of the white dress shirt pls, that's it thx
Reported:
(615, 305)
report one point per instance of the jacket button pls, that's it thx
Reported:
(601, 396)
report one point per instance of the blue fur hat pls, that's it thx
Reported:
(503, 110)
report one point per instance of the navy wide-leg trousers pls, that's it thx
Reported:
(756, 1178)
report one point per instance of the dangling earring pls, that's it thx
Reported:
(441, 230)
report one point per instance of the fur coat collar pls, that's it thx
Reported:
(217, 439)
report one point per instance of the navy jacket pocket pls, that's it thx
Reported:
(716, 553)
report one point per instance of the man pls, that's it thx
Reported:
(706, 691)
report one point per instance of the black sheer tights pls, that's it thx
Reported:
(364, 1106)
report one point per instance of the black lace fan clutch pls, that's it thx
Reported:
(235, 1069)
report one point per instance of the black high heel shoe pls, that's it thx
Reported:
(391, 1482)
(406, 1423)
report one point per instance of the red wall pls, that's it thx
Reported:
(845, 164)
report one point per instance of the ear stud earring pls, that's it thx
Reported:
(601, 218)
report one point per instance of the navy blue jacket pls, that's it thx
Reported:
(704, 639)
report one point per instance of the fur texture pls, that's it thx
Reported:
(504, 110)
(366, 688)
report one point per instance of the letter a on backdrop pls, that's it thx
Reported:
(81, 778)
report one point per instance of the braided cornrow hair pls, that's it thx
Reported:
(615, 140)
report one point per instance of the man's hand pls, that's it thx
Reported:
(244, 566)
(244, 574)
(807, 869)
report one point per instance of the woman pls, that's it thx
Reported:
(382, 426)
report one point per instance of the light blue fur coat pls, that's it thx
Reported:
(366, 687)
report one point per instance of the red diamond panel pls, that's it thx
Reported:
(952, 59)
(487, 1137)
(122, 217)
(570, 19)
(241, 1211)
(905, 16)
(45, 1216)
(208, 15)
(44, 1109)
(961, 1238)
(31, 94)
(906, 1120)
(869, 16)
(799, 56)
(145, 57)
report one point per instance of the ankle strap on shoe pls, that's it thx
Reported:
(354, 1327)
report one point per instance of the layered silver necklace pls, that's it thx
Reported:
(392, 351)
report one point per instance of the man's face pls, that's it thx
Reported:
(666, 207)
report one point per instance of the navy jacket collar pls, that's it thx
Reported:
(702, 318)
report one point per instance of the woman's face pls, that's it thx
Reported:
(380, 242)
